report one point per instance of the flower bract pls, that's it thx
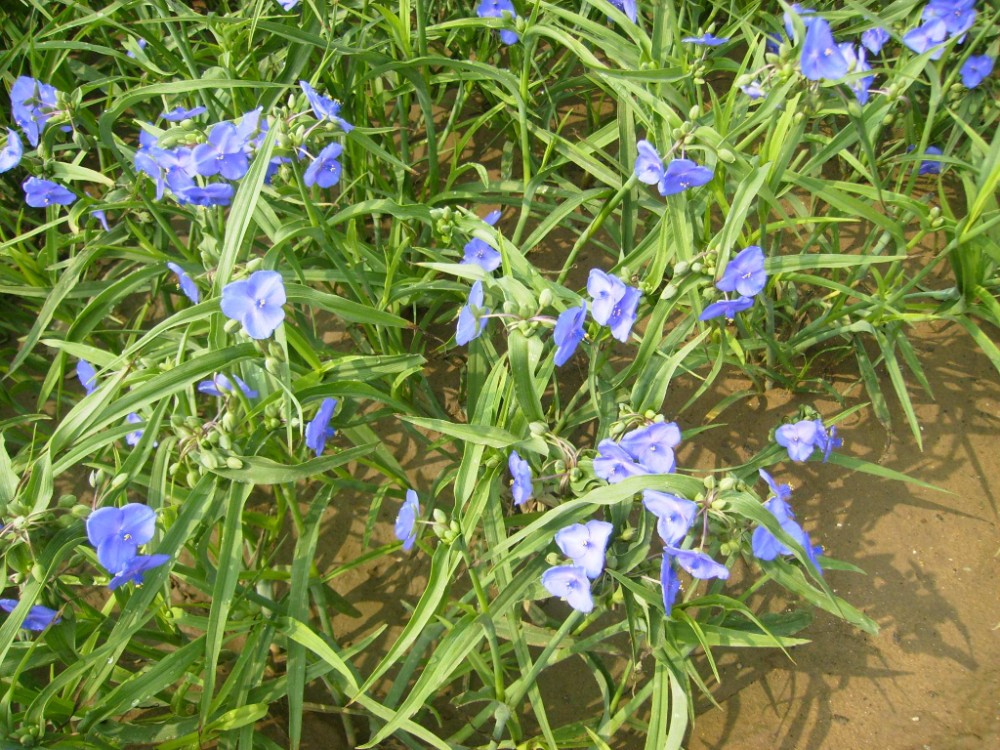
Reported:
(256, 302)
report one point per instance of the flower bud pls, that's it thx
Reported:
(694, 112)
(697, 266)
(709, 482)
(234, 463)
(545, 297)
(628, 533)
(119, 480)
(552, 558)
(439, 516)
(538, 428)
(726, 155)
(231, 325)
(253, 264)
(727, 483)
(669, 292)
(229, 421)
(209, 460)
(681, 268)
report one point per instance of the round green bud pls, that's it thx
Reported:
(681, 267)
(709, 481)
(230, 325)
(727, 483)
(234, 463)
(669, 292)
(697, 266)
(726, 155)
(120, 480)
(439, 516)
(694, 113)
(545, 297)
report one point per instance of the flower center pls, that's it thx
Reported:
(261, 303)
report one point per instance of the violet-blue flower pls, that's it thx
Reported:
(754, 90)
(133, 438)
(674, 514)
(12, 152)
(87, 375)
(179, 113)
(957, 15)
(102, 218)
(32, 104)
(287, 4)
(586, 545)
(39, 193)
(682, 174)
(213, 194)
(185, 282)
(324, 108)
(623, 314)
(470, 323)
(606, 291)
(727, 308)
(806, 15)
(39, 617)
(325, 169)
(929, 36)
(256, 302)
(117, 533)
(628, 7)
(782, 491)
(223, 154)
(874, 39)
(653, 446)
(930, 166)
(135, 570)
(975, 70)
(221, 386)
(858, 64)
(479, 252)
(821, 57)
(318, 431)
(827, 442)
(799, 439)
(405, 528)
(568, 332)
(496, 9)
(670, 582)
(520, 473)
(570, 583)
(698, 564)
(648, 164)
(706, 40)
(745, 273)
(766, 546)
(613, 463)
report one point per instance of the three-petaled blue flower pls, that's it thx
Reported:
(568, 332)
(520, 473)
(874, 39)
(12, 152)
(221, 386)
(32, 104)
(324, 108)
(628, 7)
(133, 438)
(570, 583)
(39, 193)
(256, 302)
(698, 564)
(858, 64)
(613, 463)
(223, 154)
(745, 273)
(975, 70)
(185, 282)
(318, 431)
(117, 533)
(679, 174)
(615, 304)
(727, 307)
(470, 323)
(214, 194)
(586, 544)
(706, 40)
(38, 618)
(405, 528)
(87, 375)
(496, 9)
(670, 582)
(325, 169)
(821, 56)
(930, 166)
(799, 439)
(136, 568)
(674, 515)
(754, 90)
(479, 252)
(929, 36)
(653, 446)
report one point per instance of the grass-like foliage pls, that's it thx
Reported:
(251, 250)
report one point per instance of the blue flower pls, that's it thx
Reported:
(670, 582)
(698, 564)
(957, 15)
(252, 130)
(32, 104)
(682, 174)
(287, 4)
(135, 569)
(133, 438)
(653, 446)
(586, 544)
(174, 167)
(754, 90)
(628, 7)
(221, 386)
(140, 44)
(406, 521)
(470, 323)
(827, 442)
(648, 164)
(975, 70)
(179, 113)
(318, 431)
(87, 375)
(520, 471)
(745, 273)
(11, 155)
(496, 9)
(727, 308)
(324, 169)
(256, 302)
(799, 439)
(40, 193)
(479, 253)
(568, 332)
(102, 218)
(570, 582)
(623, 314)
(821, 57)
(223, 154)
(930, 166)
(214, 194)
(185, 282)
(117, 533)
(928, 36)
(613, 463)
(606, 291)
(782, 491)
(874, 39)
(856, 61)
(707, 40)
(324, 108)
(806, 15)
(674, 515)
(766, 546)
(38, 617)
